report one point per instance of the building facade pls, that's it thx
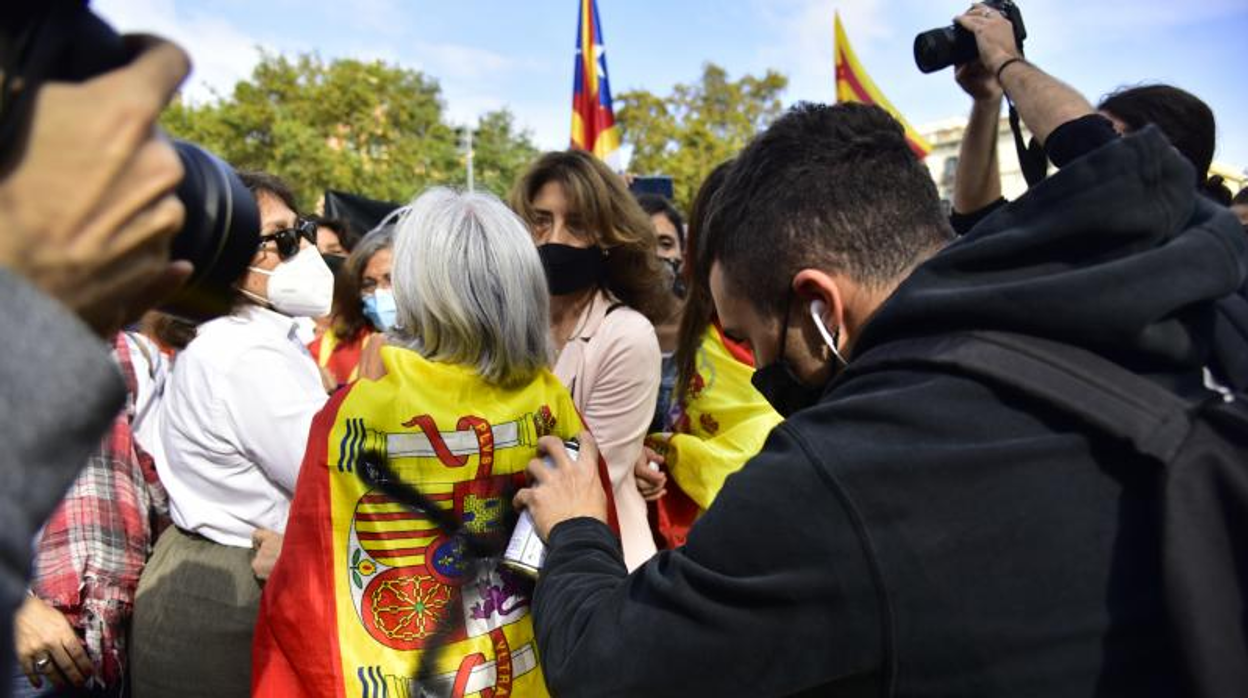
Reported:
(945, 136)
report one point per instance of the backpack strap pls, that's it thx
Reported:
(1103, 394)
(1203, 499)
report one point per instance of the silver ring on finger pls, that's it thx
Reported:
(42, 663)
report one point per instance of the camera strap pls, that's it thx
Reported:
(1032, 159)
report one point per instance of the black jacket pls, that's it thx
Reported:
(919, 533)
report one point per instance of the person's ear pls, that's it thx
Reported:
(813, 286)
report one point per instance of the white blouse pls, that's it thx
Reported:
(234, 424)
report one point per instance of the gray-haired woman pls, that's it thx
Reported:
(463, 396)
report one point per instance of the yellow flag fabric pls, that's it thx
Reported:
(854, 85)
(366, 587)
(723, 421)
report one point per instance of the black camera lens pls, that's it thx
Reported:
(220, 235)
(61, 40)
(938, 49)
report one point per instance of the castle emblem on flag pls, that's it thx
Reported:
(409, 581)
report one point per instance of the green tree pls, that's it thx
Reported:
(501, 152)
(366, 127)
(687, 133)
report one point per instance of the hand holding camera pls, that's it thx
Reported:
(994, 35)
(988, 31)
(87, 181)
(87, 208)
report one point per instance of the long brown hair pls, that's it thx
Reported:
(599, 198)
(699, 305)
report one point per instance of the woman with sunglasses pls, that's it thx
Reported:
(232, 430)
(363, 308)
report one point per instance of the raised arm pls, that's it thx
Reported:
(977, 182)
(1043, 101)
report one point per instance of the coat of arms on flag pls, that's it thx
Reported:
(369, 589)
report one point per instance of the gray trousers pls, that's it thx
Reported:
(194, 616)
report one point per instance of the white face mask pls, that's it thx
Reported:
(302, 286)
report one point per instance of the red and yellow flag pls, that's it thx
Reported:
(721, 423)
(854, 85)
(593, 118)
(369, 590)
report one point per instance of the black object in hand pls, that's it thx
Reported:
(940, 48)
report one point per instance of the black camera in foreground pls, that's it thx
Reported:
(62, 40)
(940, 48)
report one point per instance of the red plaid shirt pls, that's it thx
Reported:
(91, 551)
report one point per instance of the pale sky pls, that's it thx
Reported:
(492, 53)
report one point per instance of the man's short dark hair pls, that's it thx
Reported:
(827, 187)
(654, 205)
(273, 185)
(347, 237)
(1241, 197)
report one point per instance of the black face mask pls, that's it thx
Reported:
(571, 269)
(779, 385)
(334, 262)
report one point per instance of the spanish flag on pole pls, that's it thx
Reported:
(854, 85)
(593, 119)
(368, 590)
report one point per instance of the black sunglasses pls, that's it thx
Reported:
(287, 240)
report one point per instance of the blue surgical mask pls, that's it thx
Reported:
(380, 309)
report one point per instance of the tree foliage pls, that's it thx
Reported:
(686, 134)
(365, 127)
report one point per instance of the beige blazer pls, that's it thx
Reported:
(611, 367)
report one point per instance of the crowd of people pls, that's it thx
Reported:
(767, 445)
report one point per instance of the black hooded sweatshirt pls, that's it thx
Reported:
(919, 533)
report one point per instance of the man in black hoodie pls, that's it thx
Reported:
(913, 531)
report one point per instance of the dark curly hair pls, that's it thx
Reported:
(831, 187)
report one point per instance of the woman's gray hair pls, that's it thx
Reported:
(469, 286)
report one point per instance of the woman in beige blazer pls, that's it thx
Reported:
(607, 287)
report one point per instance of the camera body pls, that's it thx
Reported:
(938, 49)
(63, 41)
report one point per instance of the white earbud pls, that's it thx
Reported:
(817, 309)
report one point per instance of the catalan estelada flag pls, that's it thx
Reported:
(854, 85)
(721, 422)
(593, 119)
(367, 590)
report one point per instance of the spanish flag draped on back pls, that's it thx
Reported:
(366, 586)
(854, 85)
(721, 422)
(593, 119)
